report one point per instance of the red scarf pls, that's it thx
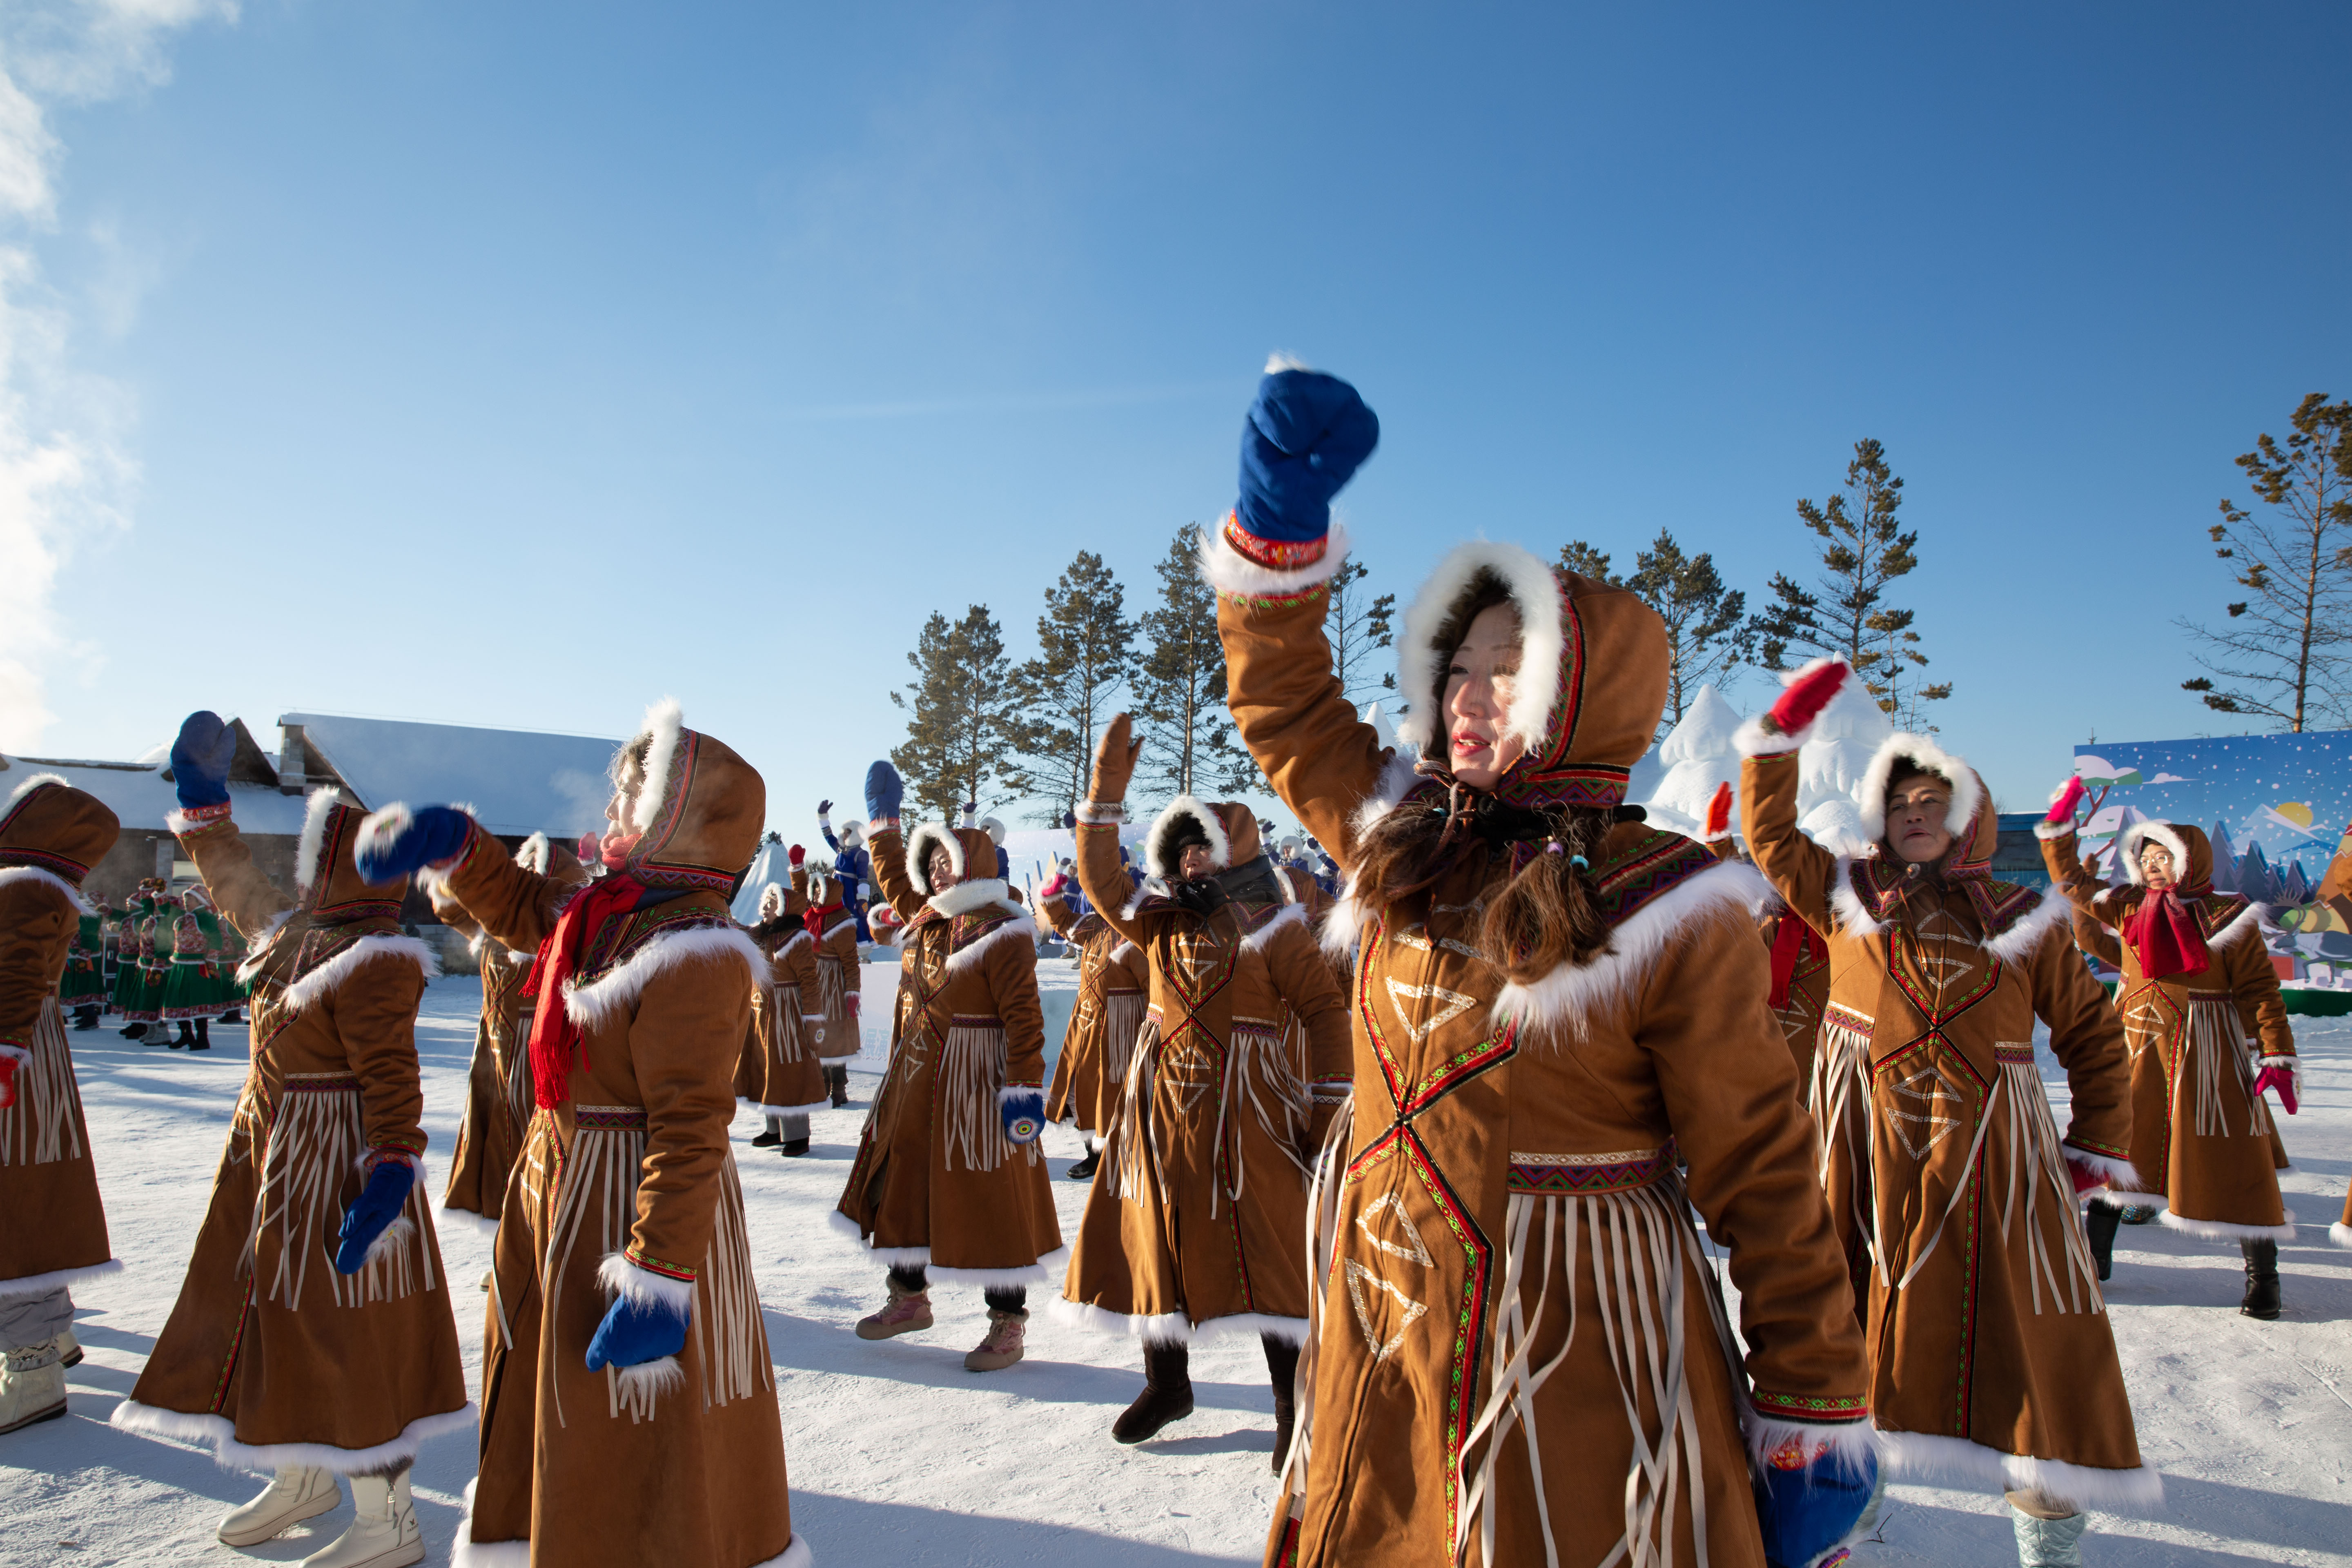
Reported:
(1791, 939)
(2164, 937)
(816, 919)
(554, 1037)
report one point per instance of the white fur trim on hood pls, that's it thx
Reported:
(36, 782)
(1543, 640)
(641, 1286)
(220, 1433)
(1853, 916)
(316, 812)
(666, 722)
(1293, 914)
(1573, 992)
(852, 834)
(324, 979)
(1228, 571)
(978, 894)
(2137, 835)
(1870, 794)
(73, 895)
(1164, 826)
(919, 853)
(605, 997)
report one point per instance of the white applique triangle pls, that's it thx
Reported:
(1455, 1004)
(1418, 1251)
(1358, 1278)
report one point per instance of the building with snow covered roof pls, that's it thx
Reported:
(518, 781)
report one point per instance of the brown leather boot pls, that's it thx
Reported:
(1167, 1395)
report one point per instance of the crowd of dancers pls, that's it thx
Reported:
(1461, 1146)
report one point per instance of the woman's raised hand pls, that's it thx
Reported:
(1306, 436)
(1115, 756)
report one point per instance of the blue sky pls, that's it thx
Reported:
(520, 364)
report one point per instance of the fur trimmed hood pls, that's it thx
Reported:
(1969, 798)
(2192, 855)
(1583, 731)
(700, 811)
(327, 878)
(966, 847)
(324, 979)
(1228, 825)
(51, 827)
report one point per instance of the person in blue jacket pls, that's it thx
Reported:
(853, 868)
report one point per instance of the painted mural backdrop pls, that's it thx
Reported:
(2278, 809)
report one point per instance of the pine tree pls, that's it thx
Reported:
(1867, 550)
(1582, 559)
(1190, 747)
(966, 727)
(1070, 689)
(1708, 633)
(2285, 651)
(1360, 626)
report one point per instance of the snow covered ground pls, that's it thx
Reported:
(900, 1459)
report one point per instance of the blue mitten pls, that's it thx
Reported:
(1024, 1112)
(396, 841)
(1807, 1507)
(200, 760)
(373, 1212)
(1306, 436)
(636, 1331)
(885, 793)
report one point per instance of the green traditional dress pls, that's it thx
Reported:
(191, 981)
(83, 984)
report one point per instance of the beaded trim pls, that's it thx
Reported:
(1279, 554)
(609, 1117)
(1823, 1407)
(1586, 1176)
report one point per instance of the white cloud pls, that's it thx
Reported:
(66, 474)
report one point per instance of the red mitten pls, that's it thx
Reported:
(2084, 1177)
(1719, 814)
(7, 1083)
(1807, 694)
(849, 1000)
(2069, 795)
(2281, 1077)
(795, 854)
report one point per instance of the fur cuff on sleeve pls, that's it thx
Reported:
(2053, 831)
(2115, 1170)
(1110, 812)
(1850, 1441)
(645, 1288)
(1753, 740)
(1228, 571)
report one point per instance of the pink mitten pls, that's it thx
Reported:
(2281, 1077)
(7, 1081)
(2070, 795)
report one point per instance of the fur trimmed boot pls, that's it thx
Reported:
(295, 1493)
(33, 1387)
(2046, 1539)
(1001, 1348)
(2099, 1225)
(907, 1311)
(1167, 1395)
(2262, 1300)
(384, 1532)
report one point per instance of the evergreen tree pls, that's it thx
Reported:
(966, 728)
(1360, 626)
(1069, 691)
(2284, 651)
(1867, 550)
(1707, 633)
(1582, 559)
(1190, 747)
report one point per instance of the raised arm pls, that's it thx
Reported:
(234, 884)
(1802, 872)
(516, 906)
(1100, 872)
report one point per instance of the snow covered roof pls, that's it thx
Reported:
(140, 795)
(516, 780)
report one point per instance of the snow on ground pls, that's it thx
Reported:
(900, 1459)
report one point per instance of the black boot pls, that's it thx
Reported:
(204, 1041)
(792, 1148)
(180, 1041)
(838, 1077)
(85, 1018)
(132, 1031)
(1281, 1370)
(2100, 1225)
(770, 1138)
(1084, 1170)
(1167, 1395)
(2262, 1279)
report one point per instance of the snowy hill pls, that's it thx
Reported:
(1697, 757)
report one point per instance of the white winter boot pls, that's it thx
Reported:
(295, 1493)
(2046, 1538)
(33, 1388)
(383, 1535)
